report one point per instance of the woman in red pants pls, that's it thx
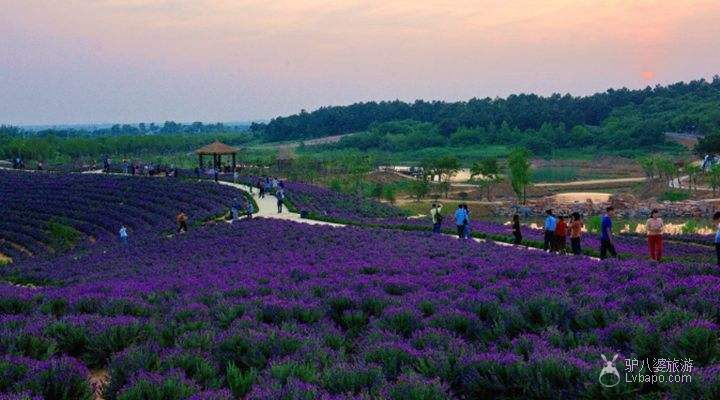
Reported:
(654, 227)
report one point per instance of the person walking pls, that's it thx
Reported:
(249, 209)
(561, 235)
(280, 195)
(576, 226)
(550, 225)
(235, 209)
(517, 233)
(466, 230)
(181, 219)
(606, 237)
(123, 235)
(716, 221)
(437, 217)
(261, 188)
(654, 228)
(460, 218)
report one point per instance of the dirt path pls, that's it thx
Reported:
(590, 182)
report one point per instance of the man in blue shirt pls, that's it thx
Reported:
(606, 241)
(460, 221)
(550, 224)
(716, 221)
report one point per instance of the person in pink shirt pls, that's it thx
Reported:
(654, 227)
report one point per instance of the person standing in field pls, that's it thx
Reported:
(460, 218)
(716, 221)
(606, 236)
(560, 235)
(654, 227)
(466, 231)
(517, 233)
(182, 219)
(123, 235)
(576, 226)
(550, 225)
(436, 215)
(249, 209)
(280, 194)
(235, 209)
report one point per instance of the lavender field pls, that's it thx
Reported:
(381, 309)
(267, 309)
(95, 206)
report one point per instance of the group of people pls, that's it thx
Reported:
(149, 169)
(269, 184)
(462, 219)
(556, 230)
(239, 206)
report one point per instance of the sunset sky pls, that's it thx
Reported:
(81, 61)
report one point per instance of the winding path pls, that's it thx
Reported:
(267, 207)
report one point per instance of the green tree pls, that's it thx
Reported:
(713, 177)
(693, 172)
(520, 172)
(419, 189)
(447, 167)
(487, 172)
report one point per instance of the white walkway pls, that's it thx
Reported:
(267, 207)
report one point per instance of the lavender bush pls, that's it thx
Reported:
(274, 309)
(96, 206)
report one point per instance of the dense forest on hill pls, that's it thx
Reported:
(636, 118)
(625, 122)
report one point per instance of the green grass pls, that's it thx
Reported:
(554, 174)
(467, 155)
(674, 195)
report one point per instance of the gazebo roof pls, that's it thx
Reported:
(217, 148)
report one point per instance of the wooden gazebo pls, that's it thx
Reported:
(217, 150)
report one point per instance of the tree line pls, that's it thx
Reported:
(683, 107)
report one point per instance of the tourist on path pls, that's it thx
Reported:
(280, 195)
(560, 235)
(550, 225)
(123, 235)
(517, 233)
(576, 226)
(606, 237)
(466, 230)
(182, 219)
(460, 218)
(654, 228)
(261, 188)
(249, 209)
(235, 209)
(716, 221)
(436, 215)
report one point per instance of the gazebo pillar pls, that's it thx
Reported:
(233, 163)
(202, 164)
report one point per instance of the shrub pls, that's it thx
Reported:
(699, 343)
(238, 381)
(157, 387)
(128, 363)
(343, 379)
(413, 387)
(285, 371)
(674, 195)
(60, 379)
(403, 323)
